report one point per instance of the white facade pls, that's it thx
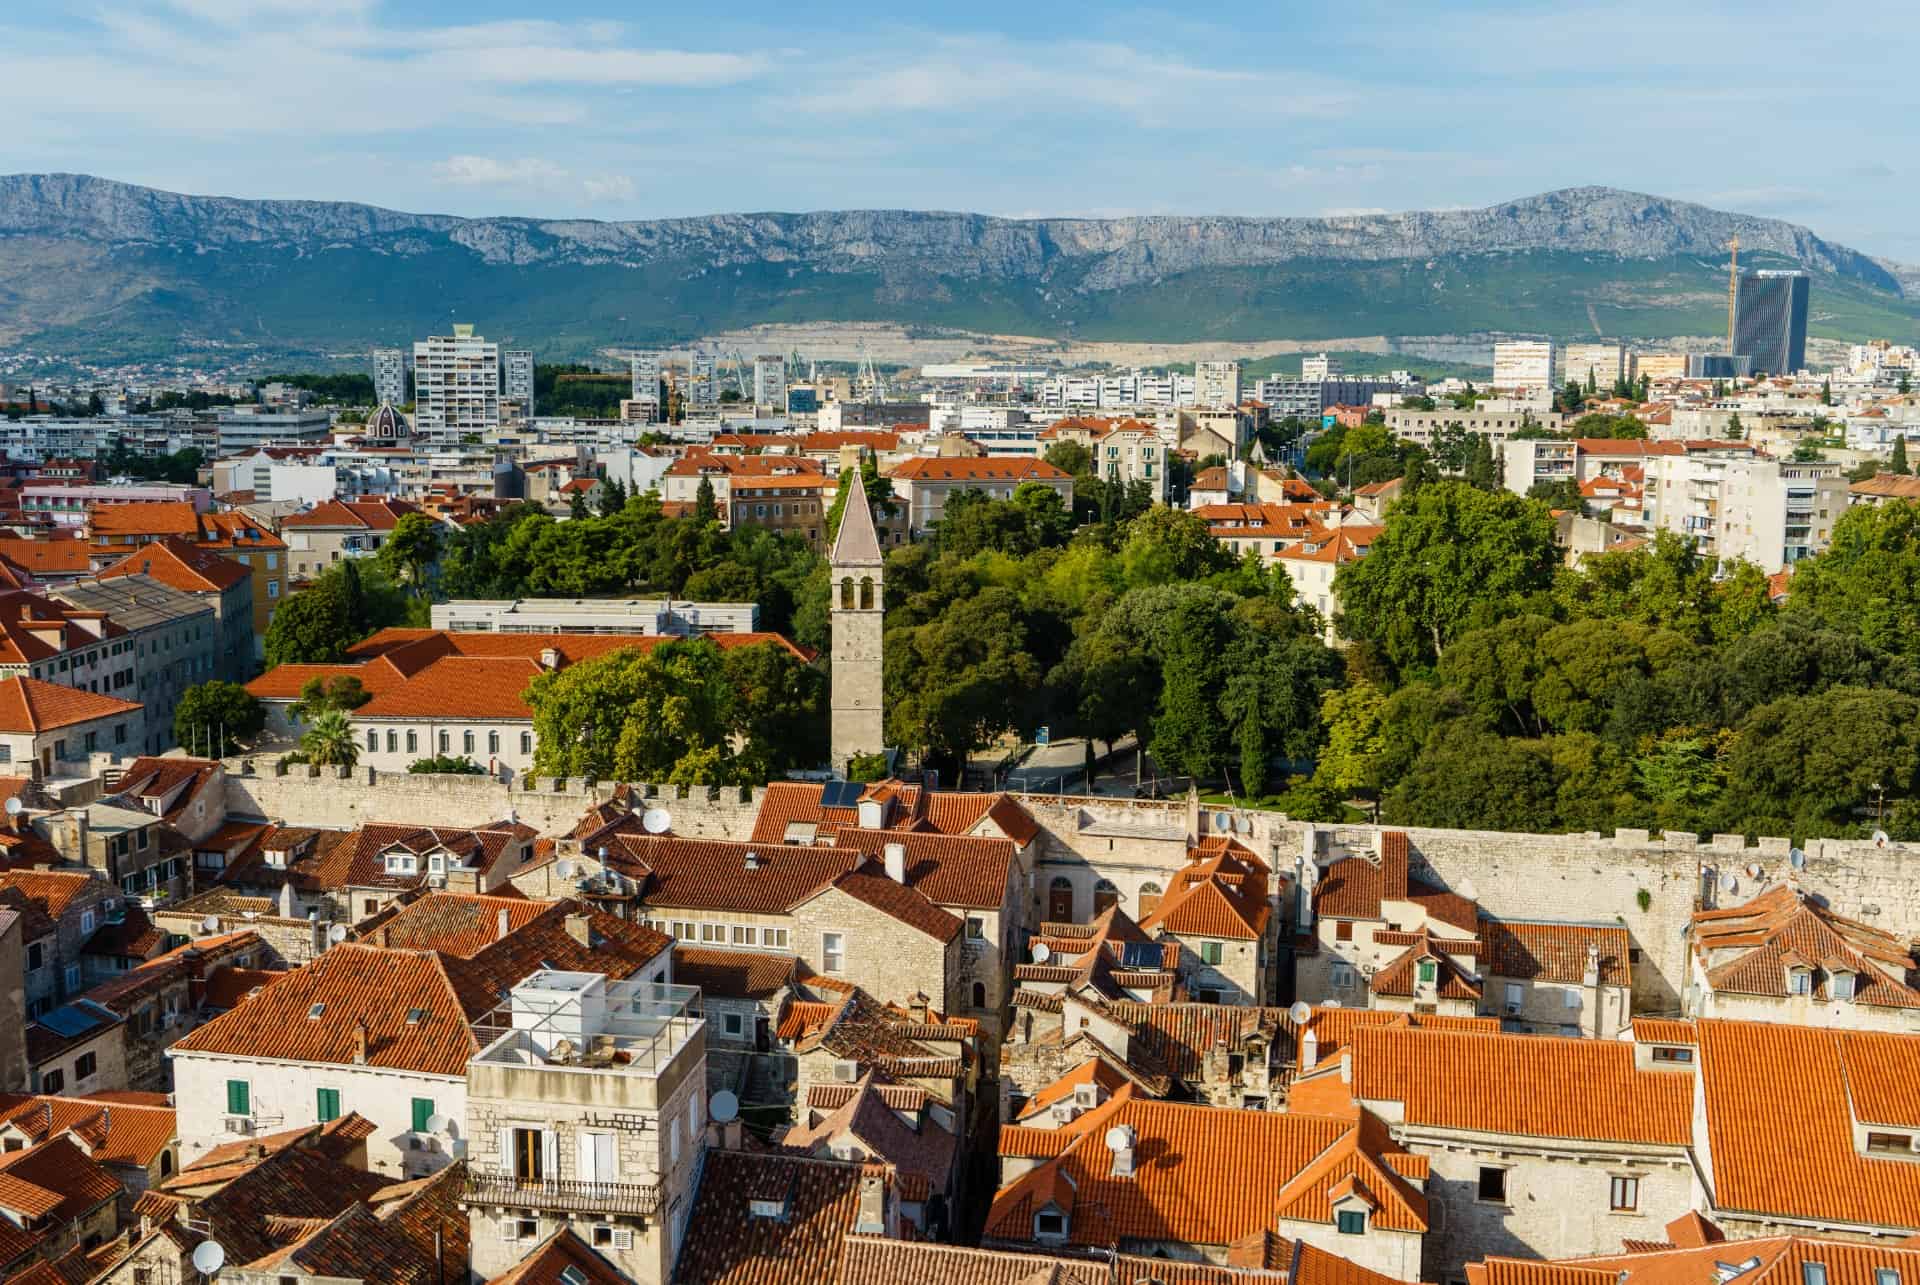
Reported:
(501, 746)
(1216, 383)
(456, 386)
(1606, 363)
(646, 386)
(1523, 364)
(770, 383)
(390, 377)
(703, 389)
(1732, 505)
(1320, 369)
(516, 379)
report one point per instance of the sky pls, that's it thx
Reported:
(596, 109)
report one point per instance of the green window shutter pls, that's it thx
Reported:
(327, 1105)
(239, 1099)
(422, 1109)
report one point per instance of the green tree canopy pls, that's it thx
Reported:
(216, 717)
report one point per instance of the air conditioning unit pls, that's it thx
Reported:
(239, 1124)
(846, 1072)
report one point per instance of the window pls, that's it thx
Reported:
(1428, 971)
(1890, 1143)
(733, 1024)
(1343, 930)
(529, 1155)
(1624, 1195)
(373, 740)
(1843, 985)
(833, 952)
(1050, 1224)
(1352, 1222)
(1681, 1056)
(1799, 982)
(239, 1098)
(774, 937)
(86, 922)
(466, 741)
(1340, 976)
(1886, 1276)
(446, 742)
(273, 588)
(1210, 952)
(1516, 994)
(493, 742)
(1813, 1274)
(53, 1082)
(393, 741)
(413, 741)
(976, 928)
(742, 935)
(1572, 997)
(36, 957)
(73, 978)
(1493, 1185)
(326, 1105)
(422, 1112)
(84, 1066)
(526, 742)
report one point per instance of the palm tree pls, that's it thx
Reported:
(329, 741)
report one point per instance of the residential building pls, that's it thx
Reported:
(387, 1033)
(1881, 488)
(79, 1047)
(662, 616)
(162, 999)
(516, 380)
(455, 694)
(132, 1141)
(783, 1220)
(248, 428)
(795, 506)
(1784, 957)
(683, 478)
(1124, 451)
(1217, 910)
(1309, 398)
(770, 383)
(222, 583)
(1523, 366)
(456, 386)
(1770, 320)
(237, 536)
(586, 1112)
(1732, 504)
(901, 1126)
(1422, 427)
(925, 484)
(58, 1200)
(702, 389)
(1602, 365)
(1216, 384)
(1319, 369)
(61, 911)
(172, 638)
(390, 377)
(73, 504)
(1657, 367)
(43, 724)
(646, 402)
(1695, 1248)
(351, 528)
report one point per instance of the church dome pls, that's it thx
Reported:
(387, 424)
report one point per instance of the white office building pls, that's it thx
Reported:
(1603, 363)
(390, 377)
(1216, 383)
(456, 386)
(703, 388)
(1320, 368)
(1524, 365)
(770, 383)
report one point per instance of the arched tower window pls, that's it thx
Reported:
(846, 593)
(866, 593)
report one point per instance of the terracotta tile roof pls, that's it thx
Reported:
(711, 874)
(1748, 949)
(336, 1140)
(1094, 1071)
(926, 1151)
(144, 518)
(1179, 1036)
(1529, 1085)
(1656, 1030)
(1776, 1260)
(1201, 1175)
(122, 992)
(875, 1260)
(236, 531)
(133, 937)
(285, 1191)
(1793, 1154)
(1892, 486)
(54, 891)
(556, 1254)
(60, 557)
(787, 803)
(58, 1167)
(708, 463)
(454, 923)
(168, 781)
(1209, 906)
(1400, 977)
(29, 706)
(179, 564)
(1556, 952)
(979, 469)
(734, 974)
(871, 886)
(726, 1244)
(353, 515)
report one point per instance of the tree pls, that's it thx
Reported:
(1906, 383)
(613, 497)
(446, 764)
(215, 717)
(1352, 761)
(1898, 464)
(1734, 431)
(577, 503)
(1449, 557)
(1167, 546)
(961, 679)
(1483, 473)
(313, 627)
(329, 741)
(705, 508)
(1559, 494)
(1071, 457)
(1867, 582)
(1477, 781)
(318, 696)
(1826, 392)
(662, 714)
(1812, 765)
(410, 550)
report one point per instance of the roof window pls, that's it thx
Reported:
(314, 1012)
(1813, 1274)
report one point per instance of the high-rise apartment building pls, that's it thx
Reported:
(1216, 383)
(456, 386)
(1523, 365)
(1603, 364)
(1319, 369)
(516, 379)
(646, 381)
(1770, 321)
(703, 389)
(770, 382)
(390, 377)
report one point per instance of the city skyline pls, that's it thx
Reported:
(475, 110)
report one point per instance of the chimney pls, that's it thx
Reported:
(580, 928)
(872, 1220)
(500, 923)
(1592, 975)
(286, 900)
(1120, 1142)
(896, 855)
(549, 658)
(359, 1043)
(919, 1006)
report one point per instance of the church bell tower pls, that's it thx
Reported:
(857, 615)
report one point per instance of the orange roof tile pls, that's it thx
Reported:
(981, 469)
(144, 518)
(29, 706)
(181, 565)
(355, 515)
(115, 1133)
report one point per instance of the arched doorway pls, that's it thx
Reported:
(1106, 895)
(1060, 900)
(1149, 898)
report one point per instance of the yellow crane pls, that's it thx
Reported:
(1733, 286)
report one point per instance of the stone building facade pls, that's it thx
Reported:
(858, 606)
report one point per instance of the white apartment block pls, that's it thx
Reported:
(1319, 369)
(1605, 363)
(1523, 364)
(390, 377)
(703, 389)
(516, 377)
(1216, 383)
(770, 383)
(1732, 505)
(456, 386)
(646, 387)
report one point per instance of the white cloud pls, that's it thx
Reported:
(617, 187)
(489, 171)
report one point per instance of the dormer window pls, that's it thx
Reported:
(1799, 981)
(1843, 985)
(1351, 1222)
(402, 863)
(1050, 1224)
(1428, 971)
(1813, 1274)
(1890, 1144)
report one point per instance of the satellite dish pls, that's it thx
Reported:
(1754, 871)
(1246, 825)
(437, 1123)
(13, 806)
(1041, 952)
(1879, 838)
(209, 1257)
(656, 820)
(723, 1107)
(210, 924)
(1728, 883)
(1797, 858)
(1329, 1003)
(1223, 821)
(565, 867)
(1301, 1012)
(337, 933)
(1119, 1138)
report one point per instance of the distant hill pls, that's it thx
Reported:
(96, 268)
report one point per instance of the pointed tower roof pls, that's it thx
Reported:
(857, 544)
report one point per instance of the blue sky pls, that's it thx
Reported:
(604, 110)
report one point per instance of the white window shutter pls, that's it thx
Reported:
(605, 1168)
(588, 1170)
(623, 1238)
(550, 1153)
(506, 1151)
(509, 1229)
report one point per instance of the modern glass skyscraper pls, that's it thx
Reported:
(1770, 321)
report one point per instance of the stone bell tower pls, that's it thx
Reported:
(857, 613)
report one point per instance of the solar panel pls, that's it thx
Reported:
(1141, 954)
(69, 1021)
(840, 794)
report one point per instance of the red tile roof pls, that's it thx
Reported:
(980, 469)
(144, 518)
(734, 974)
(60, 1167)
(113, 1132)
(57, 890)
(1747, 950)
(190, 568)
(352, 515)
(726, 1244)
(561, 1251)
(454, 923)
(29, 706)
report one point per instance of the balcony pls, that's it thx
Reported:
(561, 1195)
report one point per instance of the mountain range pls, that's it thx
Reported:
(93, 268)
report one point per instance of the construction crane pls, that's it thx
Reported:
(1733, 287)
(869, 377)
